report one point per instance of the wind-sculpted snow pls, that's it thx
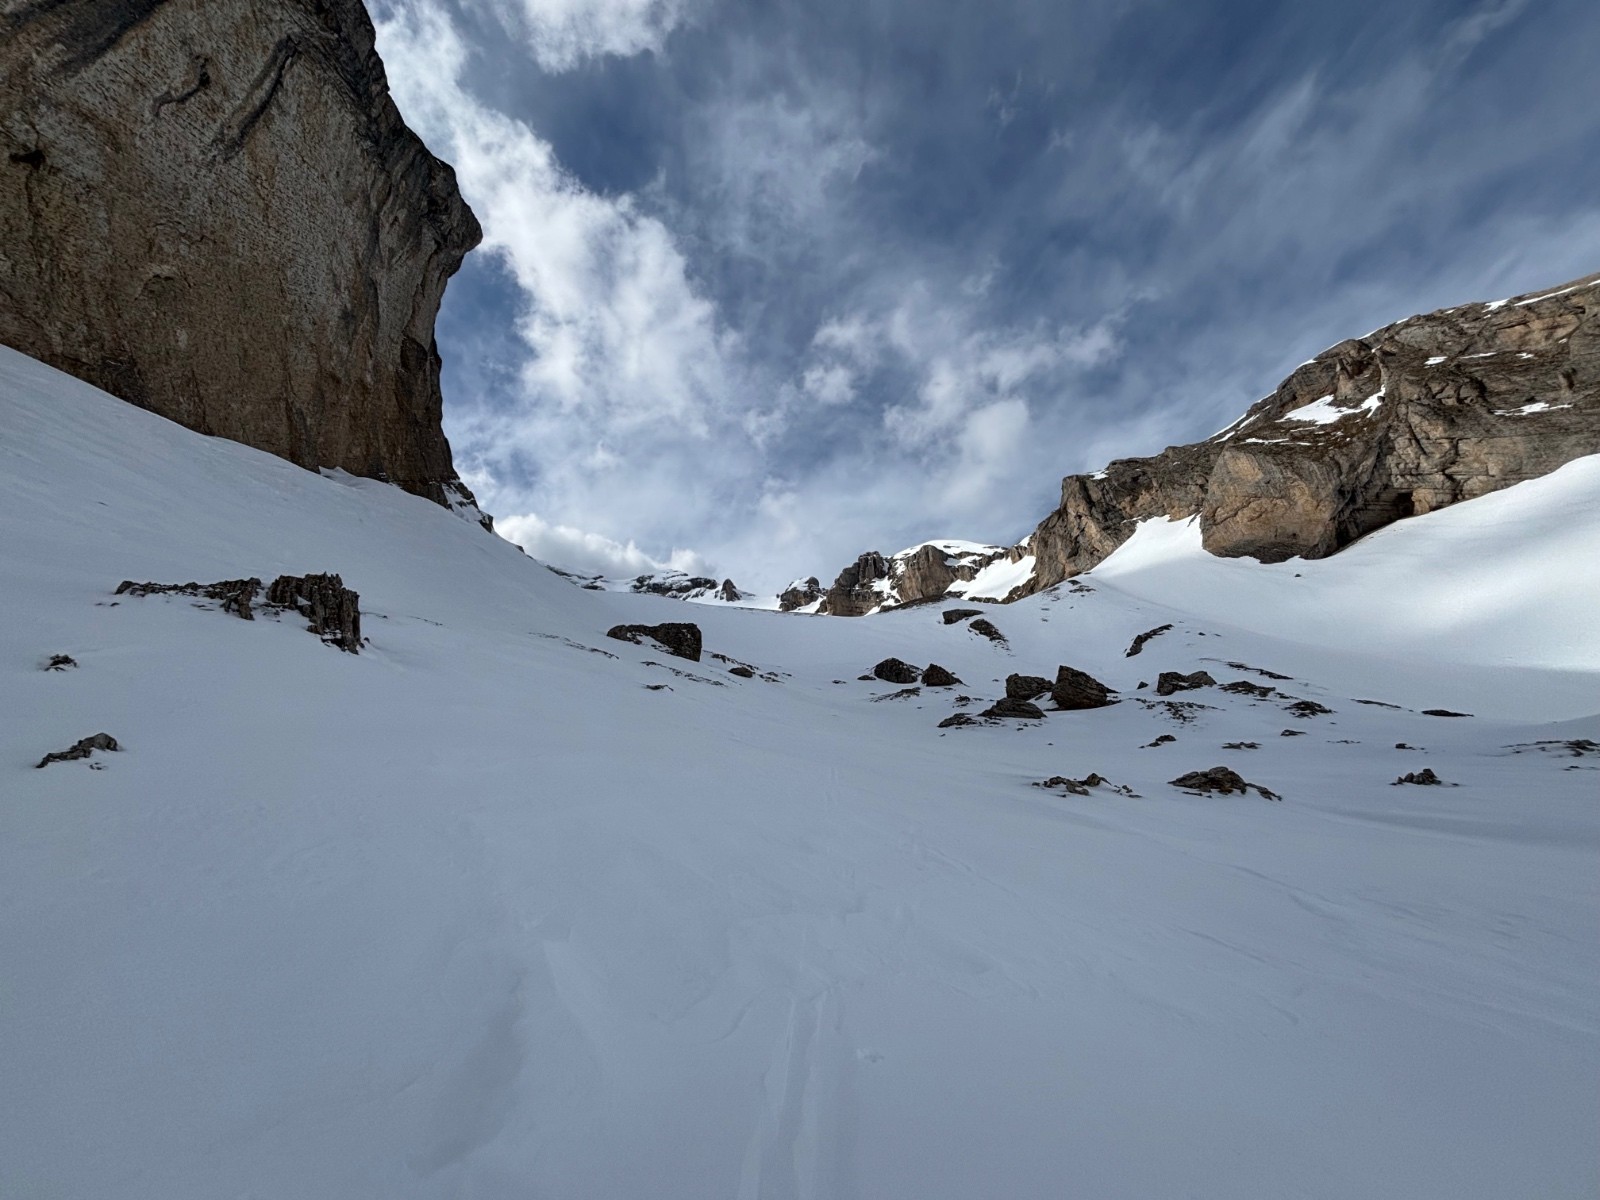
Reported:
(503, 908)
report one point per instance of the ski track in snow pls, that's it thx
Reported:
(477, 914)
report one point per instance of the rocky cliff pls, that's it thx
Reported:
(213, 209)
(1412, 417)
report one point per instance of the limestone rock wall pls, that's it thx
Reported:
(213, 209)
(1427, 412)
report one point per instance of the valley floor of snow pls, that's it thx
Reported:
(503, 908)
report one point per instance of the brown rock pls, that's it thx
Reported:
(952, 615)
(937, 676)
(1223, 780)
(1429, 411)
(1169, 682)
(680, 638)
(214, 211)
(1011, 707)
(333, 609)
(986, 628)
(1076, 689)
(1026, 687)
(236, 595)
(798, 595)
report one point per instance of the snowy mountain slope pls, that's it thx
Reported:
(477, 913)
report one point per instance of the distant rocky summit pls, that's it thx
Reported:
(1418, 415)
(216, 212)
(923, 572)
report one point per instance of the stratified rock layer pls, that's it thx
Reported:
(212, 208)
(1421, 414)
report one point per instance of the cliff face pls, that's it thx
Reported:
(1415, 416)
(212, 209)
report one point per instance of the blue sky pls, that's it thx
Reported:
(767, 284)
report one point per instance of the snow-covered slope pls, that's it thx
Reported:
(486, 911)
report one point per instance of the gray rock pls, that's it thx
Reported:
(81, 749)
(215, 211)
(953, 615)
(937, 676)
(1075, 689)
(1425, 777)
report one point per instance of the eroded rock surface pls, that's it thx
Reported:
(680, 638)
(1418, 415)
(214, 210)
(1078, 689)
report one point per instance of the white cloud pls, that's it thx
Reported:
(562, 33)
(587, 553)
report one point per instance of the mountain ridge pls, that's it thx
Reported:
(1417, 415)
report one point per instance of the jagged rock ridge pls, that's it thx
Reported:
(1415, 416)
(922, 572)
(215, 211)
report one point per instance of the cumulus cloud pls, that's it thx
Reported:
(562, 33)
(837, 279)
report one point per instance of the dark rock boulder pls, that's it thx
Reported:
(937, 676)
(680, 638)
(60, 662)
(1018, 709)
(215, 212)
(237, 596)
(1138, 642)
(728, 592)
(81, 749)
(956, 720)
(986, 628)
(952, 615)
(1169, 682)
(892, 670)
(742, 671)
(798, 595)
(1026, 687)
(1306, 709)
(1076, 689)
(1223, 780)
(333, 610)
(1425, 777)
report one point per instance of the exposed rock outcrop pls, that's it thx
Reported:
(915, 576)
(333, 610)
(82, 748)
(1009, 706)
(1221, 780)
(1169, 682)
(1415, 416)
(1026, 687)
(680, 638)
(1078, 689)
(800, 594)
(214, 210)
(1418, 415)
(937, 676)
